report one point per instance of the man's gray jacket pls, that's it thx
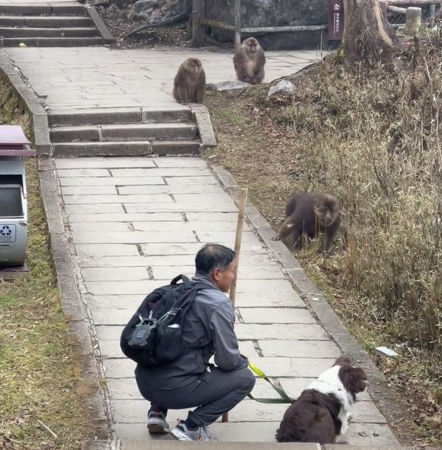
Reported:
(208, 330)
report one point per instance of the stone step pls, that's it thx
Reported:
(110, 116)
(127, 148)
(53, 41)
(27, 9)
(132, 132)
(176, 148)
(46, 21)
(27, 32)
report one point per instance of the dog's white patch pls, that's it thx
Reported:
(330, 383)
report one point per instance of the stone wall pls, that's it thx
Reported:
(269, 13)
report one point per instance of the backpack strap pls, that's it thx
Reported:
(186, 282)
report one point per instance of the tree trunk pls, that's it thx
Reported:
(368, 36)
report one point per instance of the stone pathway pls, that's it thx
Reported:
(99, 77)
(136, 223)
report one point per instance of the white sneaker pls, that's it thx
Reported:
(156, 423)
(182, 433)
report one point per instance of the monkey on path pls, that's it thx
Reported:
(249, 62)
(313, 215)
(190, 82)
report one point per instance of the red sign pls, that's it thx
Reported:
(335, 20)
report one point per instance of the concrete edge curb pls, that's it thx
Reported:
(74, 311)
(69, 295)
(32, 104)
(381, 393)
(171, 445)
(99, 23)
(204, 125)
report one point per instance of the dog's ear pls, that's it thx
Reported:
(353, 378)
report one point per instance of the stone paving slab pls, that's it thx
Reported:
(369, 435)
(106, 250)
(135, 237)
(79, 78)
(98, 191)
(174, 249)
(272, 367)
(135, 243)
(158, 218)
(127, 389)
(110, 181)
(133, 411)
(270, 272)
(303, 332)
(249, 258)
(276, 316)
(131, 302)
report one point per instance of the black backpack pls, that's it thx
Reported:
(153, 336)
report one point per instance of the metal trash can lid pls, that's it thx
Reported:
(13, 142)
(12, 135)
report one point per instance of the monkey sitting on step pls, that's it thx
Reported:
(249, 62)
(313, 215)
(190, 82)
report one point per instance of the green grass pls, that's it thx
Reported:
(39, 378)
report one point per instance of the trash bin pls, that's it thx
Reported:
(14, 147)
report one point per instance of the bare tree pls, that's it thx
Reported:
(367, 34)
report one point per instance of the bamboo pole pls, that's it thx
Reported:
(238, 241)
(237, 13)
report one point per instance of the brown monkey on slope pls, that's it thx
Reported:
(190, 82)
(312, 215)
(249, 62)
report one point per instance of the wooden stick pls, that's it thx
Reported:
(238, 241)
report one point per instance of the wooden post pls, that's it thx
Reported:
(237, 23)
(197, 26)
(432, 11)
(238, 240)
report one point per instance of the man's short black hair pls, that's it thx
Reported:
(213, 256)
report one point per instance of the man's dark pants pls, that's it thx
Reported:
(214, 393)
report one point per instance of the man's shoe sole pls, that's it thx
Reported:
(155, 428)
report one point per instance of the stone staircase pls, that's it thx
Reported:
(51, 25)
(124, 132)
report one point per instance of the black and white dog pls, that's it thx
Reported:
(323, 410)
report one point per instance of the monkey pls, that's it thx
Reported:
(249, 62)
(190, 82)
(313, 215)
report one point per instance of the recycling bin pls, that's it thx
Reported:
(14, 147)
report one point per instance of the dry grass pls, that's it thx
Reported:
(39, 380)
(371, 139)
